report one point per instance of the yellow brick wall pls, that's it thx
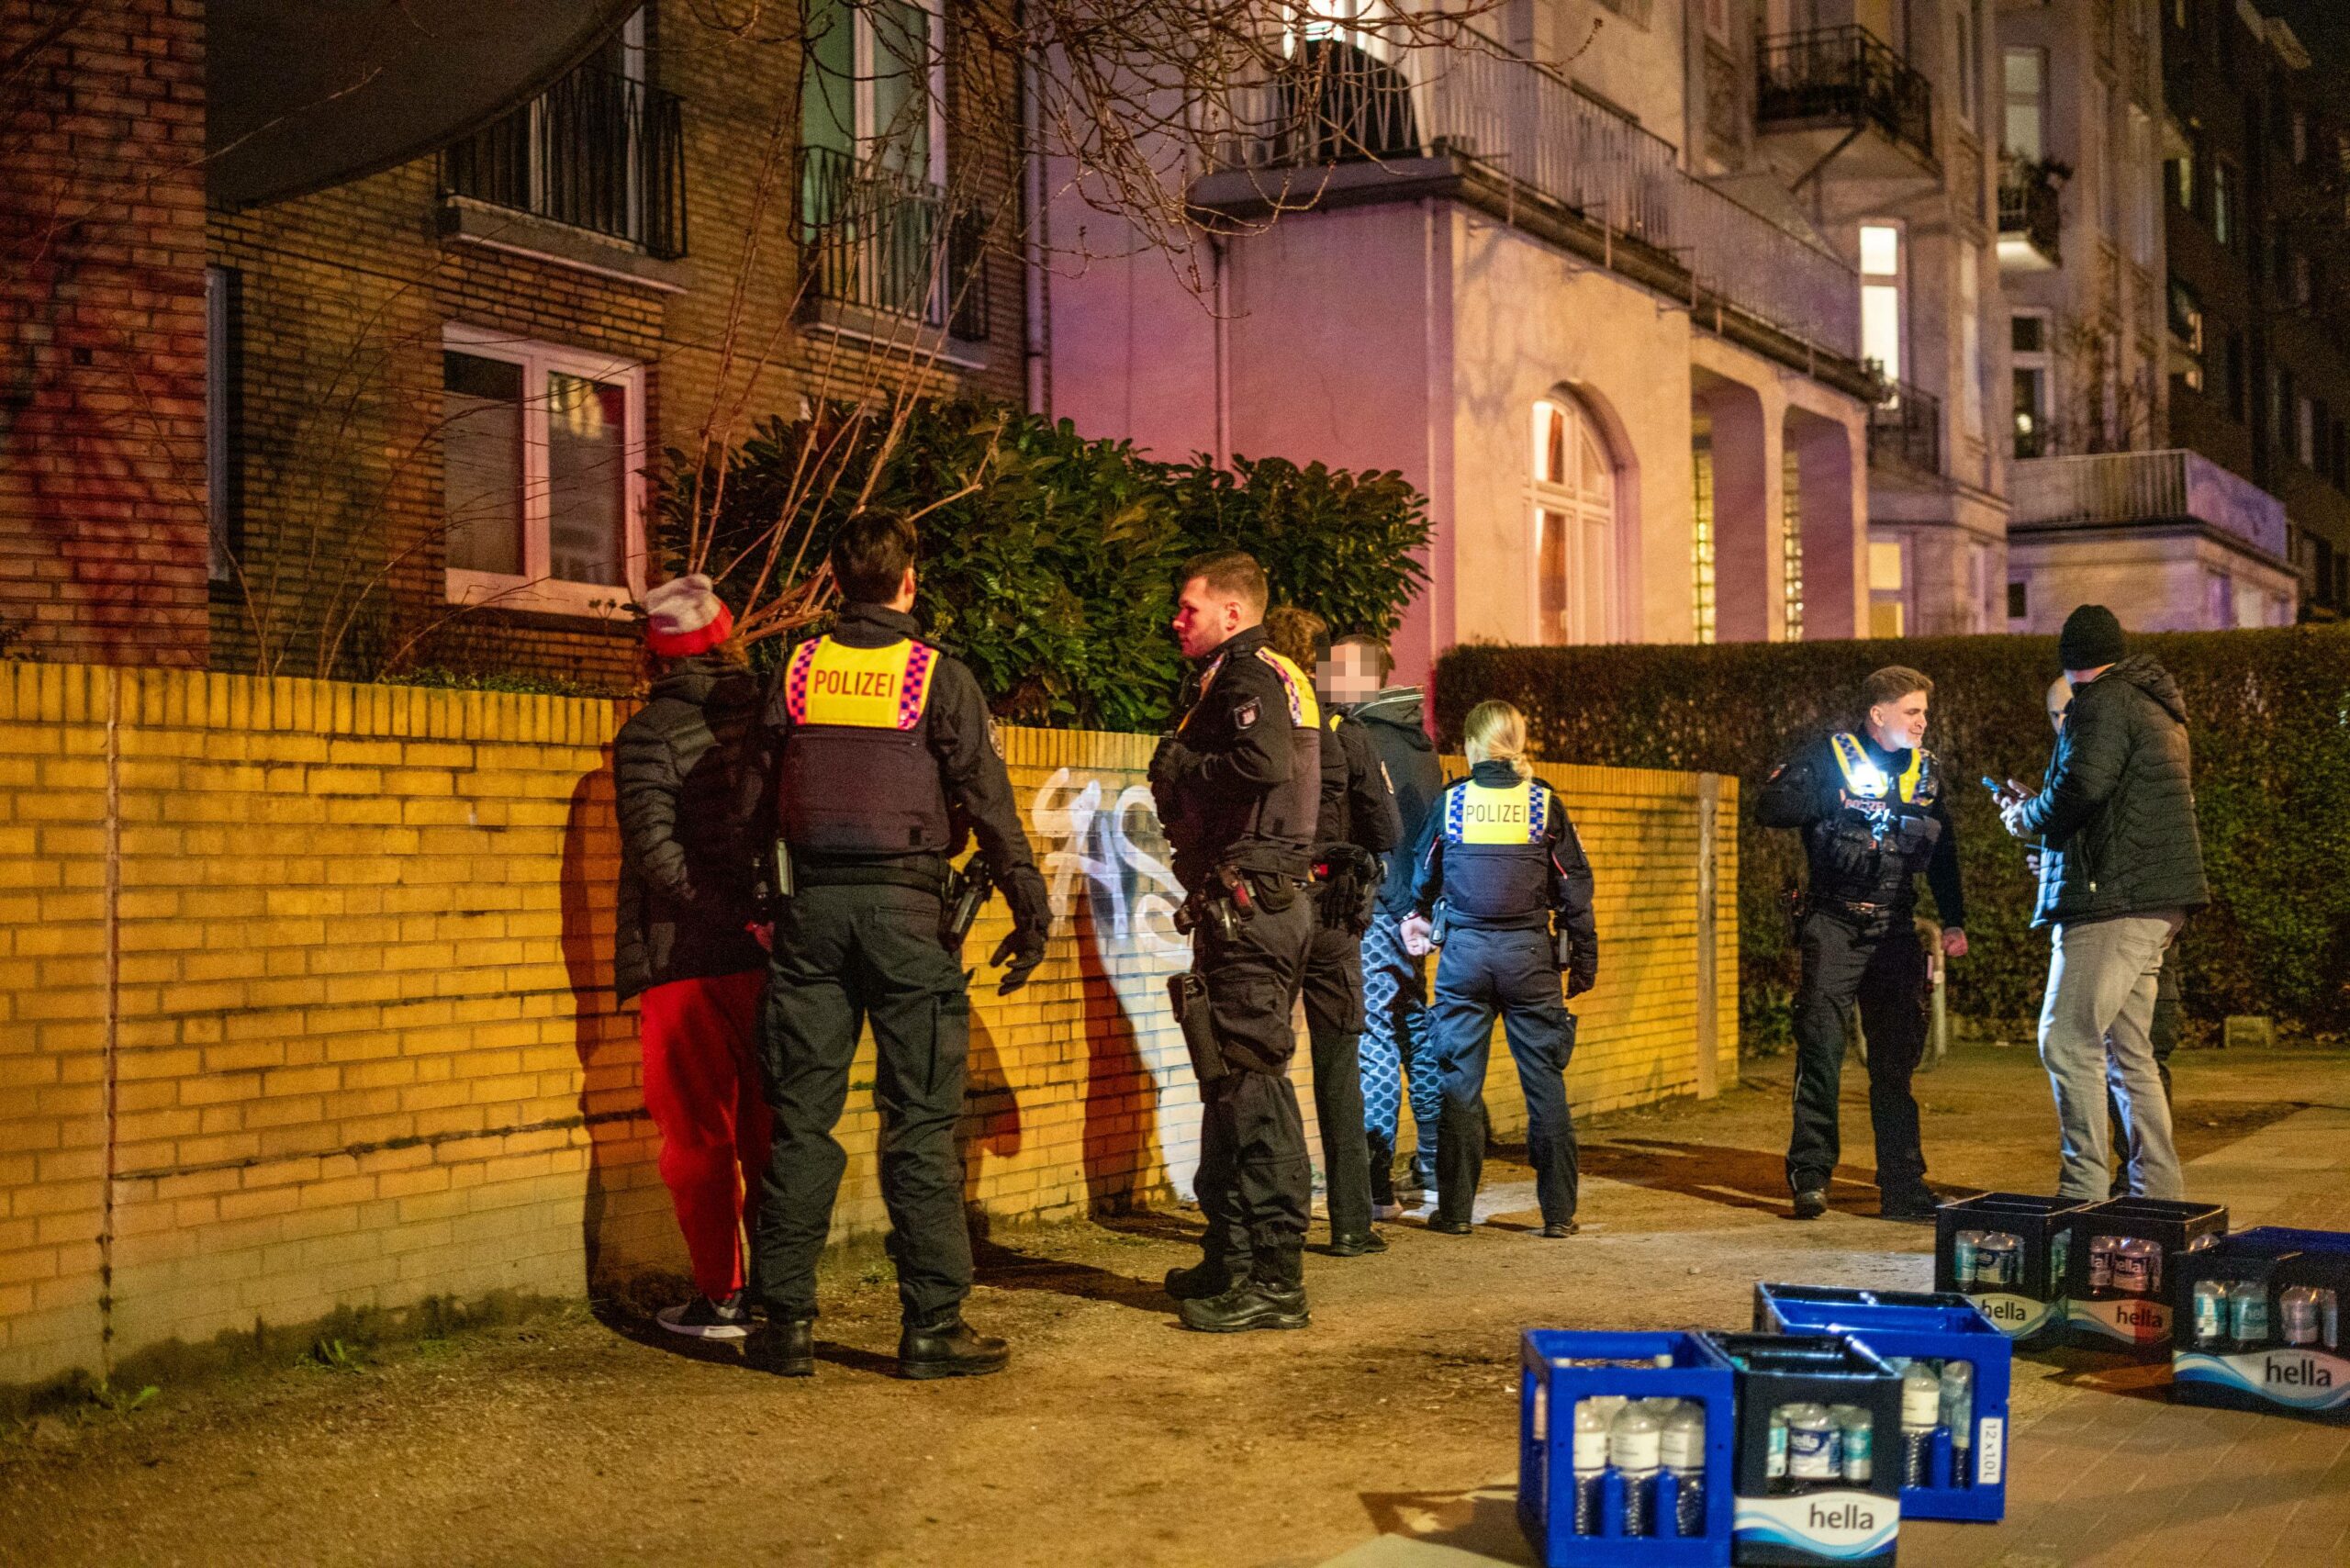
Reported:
(304, 1002)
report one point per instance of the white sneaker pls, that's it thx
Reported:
(1387, 1211)
(702, 1319)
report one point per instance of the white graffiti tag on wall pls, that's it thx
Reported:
(1132, 896)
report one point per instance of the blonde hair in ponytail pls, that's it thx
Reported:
(1495, 732)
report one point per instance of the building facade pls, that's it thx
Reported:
(1632, 391)
(2255, 220)
(2106, 508)
(413, 417)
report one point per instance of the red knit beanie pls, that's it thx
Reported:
(682, 616)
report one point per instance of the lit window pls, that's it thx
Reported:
(2223, 216)
(1701, 547)
(1888, 597)
(2023, 129)
(1574, 525)
(1881, 298)
(1791, 542)
(540, 448)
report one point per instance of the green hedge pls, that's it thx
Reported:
(1053, 578)
(2270, 722)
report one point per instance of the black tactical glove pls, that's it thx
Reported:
(1021, 953)
(1032, 924)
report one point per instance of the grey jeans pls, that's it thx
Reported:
(2095, 1033)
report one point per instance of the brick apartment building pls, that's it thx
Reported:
(258, 412)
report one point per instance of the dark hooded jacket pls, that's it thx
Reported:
(1399, 739)
(686, 884)
(2118, 812)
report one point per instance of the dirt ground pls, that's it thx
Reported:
(1114, 1437)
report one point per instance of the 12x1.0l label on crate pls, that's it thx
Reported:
(1992, 1451)
(1847, 1526)
(2303, 1380)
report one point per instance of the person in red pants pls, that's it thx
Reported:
(685, 942)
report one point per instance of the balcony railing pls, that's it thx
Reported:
(2121, 488)
(1843, 75)
(1906, 427)
(1543, 144)
(884, 241)
(2030, 209)
(596, 151)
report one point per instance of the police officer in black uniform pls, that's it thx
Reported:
(1237, 787)
(1871, 809)
(1354, 825)
(872, 754)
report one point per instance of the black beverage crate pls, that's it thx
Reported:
(2031, 1306)
(1838, 1521)
(2113, 1312)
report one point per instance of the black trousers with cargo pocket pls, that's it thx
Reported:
(843, 956)
(1256, 1183)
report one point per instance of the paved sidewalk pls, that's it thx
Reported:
(2106, 1472)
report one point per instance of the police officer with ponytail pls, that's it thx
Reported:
(1503, 887)
(872, 756)
(1870, 805)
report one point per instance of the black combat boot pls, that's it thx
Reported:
(948, 1349)
(1198, 1281)
(784, 1346)
(1273, 1298)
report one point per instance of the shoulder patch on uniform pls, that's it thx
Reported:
(1245, 713)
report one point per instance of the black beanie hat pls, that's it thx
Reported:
(2091, 639)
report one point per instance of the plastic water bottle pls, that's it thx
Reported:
(2102, 1261)
(1590, 1463)
(1775, 1453)
(1633, 1441)
(2248, 1313)
(1958, 1414)
(2210, 1327)
(2297, 1316)
(1961, 1257)
(1813, 1442)
(1682, 1448)
(1856, 1431)
(1922, 1410)
(2060, 1259)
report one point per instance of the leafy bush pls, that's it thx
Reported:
(2270, 719)
(1050, 571)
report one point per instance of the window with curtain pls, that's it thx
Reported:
(1574, 525)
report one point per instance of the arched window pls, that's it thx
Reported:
(1574, 525)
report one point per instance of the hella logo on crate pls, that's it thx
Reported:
(2303, 1380)
(2013, 1314)
(1845, 1526)
(2135, 1322)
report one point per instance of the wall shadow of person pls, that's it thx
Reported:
(611, 1099)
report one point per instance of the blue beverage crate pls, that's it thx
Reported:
(1942, 1327)
(1546, 1484)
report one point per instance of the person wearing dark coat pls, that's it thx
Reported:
(685, 943)
(1398, 1038)
(1354, 826)
(2122, 869)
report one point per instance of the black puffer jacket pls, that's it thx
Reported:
(1399, 739)
(2118, 812)
(685, 881)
